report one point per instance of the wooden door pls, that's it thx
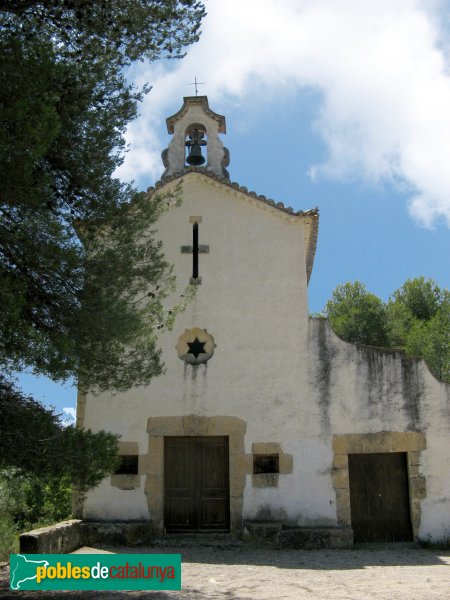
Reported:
(196, 484)
(379, 497)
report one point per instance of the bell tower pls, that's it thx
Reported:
(196, 143)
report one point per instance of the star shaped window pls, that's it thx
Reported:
(195, 346)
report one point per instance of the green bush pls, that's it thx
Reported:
(9, 537)
(40, 460)
(27, 502)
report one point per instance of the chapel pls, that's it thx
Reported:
(265, 423)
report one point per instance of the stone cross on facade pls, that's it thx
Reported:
(195, 250)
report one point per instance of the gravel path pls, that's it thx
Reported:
(246, 573)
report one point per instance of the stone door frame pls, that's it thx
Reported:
(195, 425)
(411, 442)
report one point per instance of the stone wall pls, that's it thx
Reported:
(62, 538)
(377, 400)
(67, 536)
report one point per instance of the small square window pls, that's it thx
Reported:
(266, 463)
(128, 465)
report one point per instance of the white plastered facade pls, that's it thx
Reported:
(285, 376)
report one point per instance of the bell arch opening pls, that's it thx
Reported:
(195, 138)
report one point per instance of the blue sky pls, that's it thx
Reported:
(338, 104)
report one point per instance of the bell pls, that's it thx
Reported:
(195, 157)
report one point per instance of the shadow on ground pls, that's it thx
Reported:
(238, 553)
(357, 558)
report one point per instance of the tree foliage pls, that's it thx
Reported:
(119, 31)
(357, 315)
(416, 318)
(82, 279)
(87, 310)
(33, 441)
(419, 321)
(40, 461)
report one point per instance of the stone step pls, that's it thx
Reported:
(205, 540)
(282, 536)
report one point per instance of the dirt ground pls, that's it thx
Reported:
(246, 573)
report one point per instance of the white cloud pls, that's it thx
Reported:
(69, 415)
(379, 65)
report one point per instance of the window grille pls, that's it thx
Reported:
(266, 463)
(128, 465)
